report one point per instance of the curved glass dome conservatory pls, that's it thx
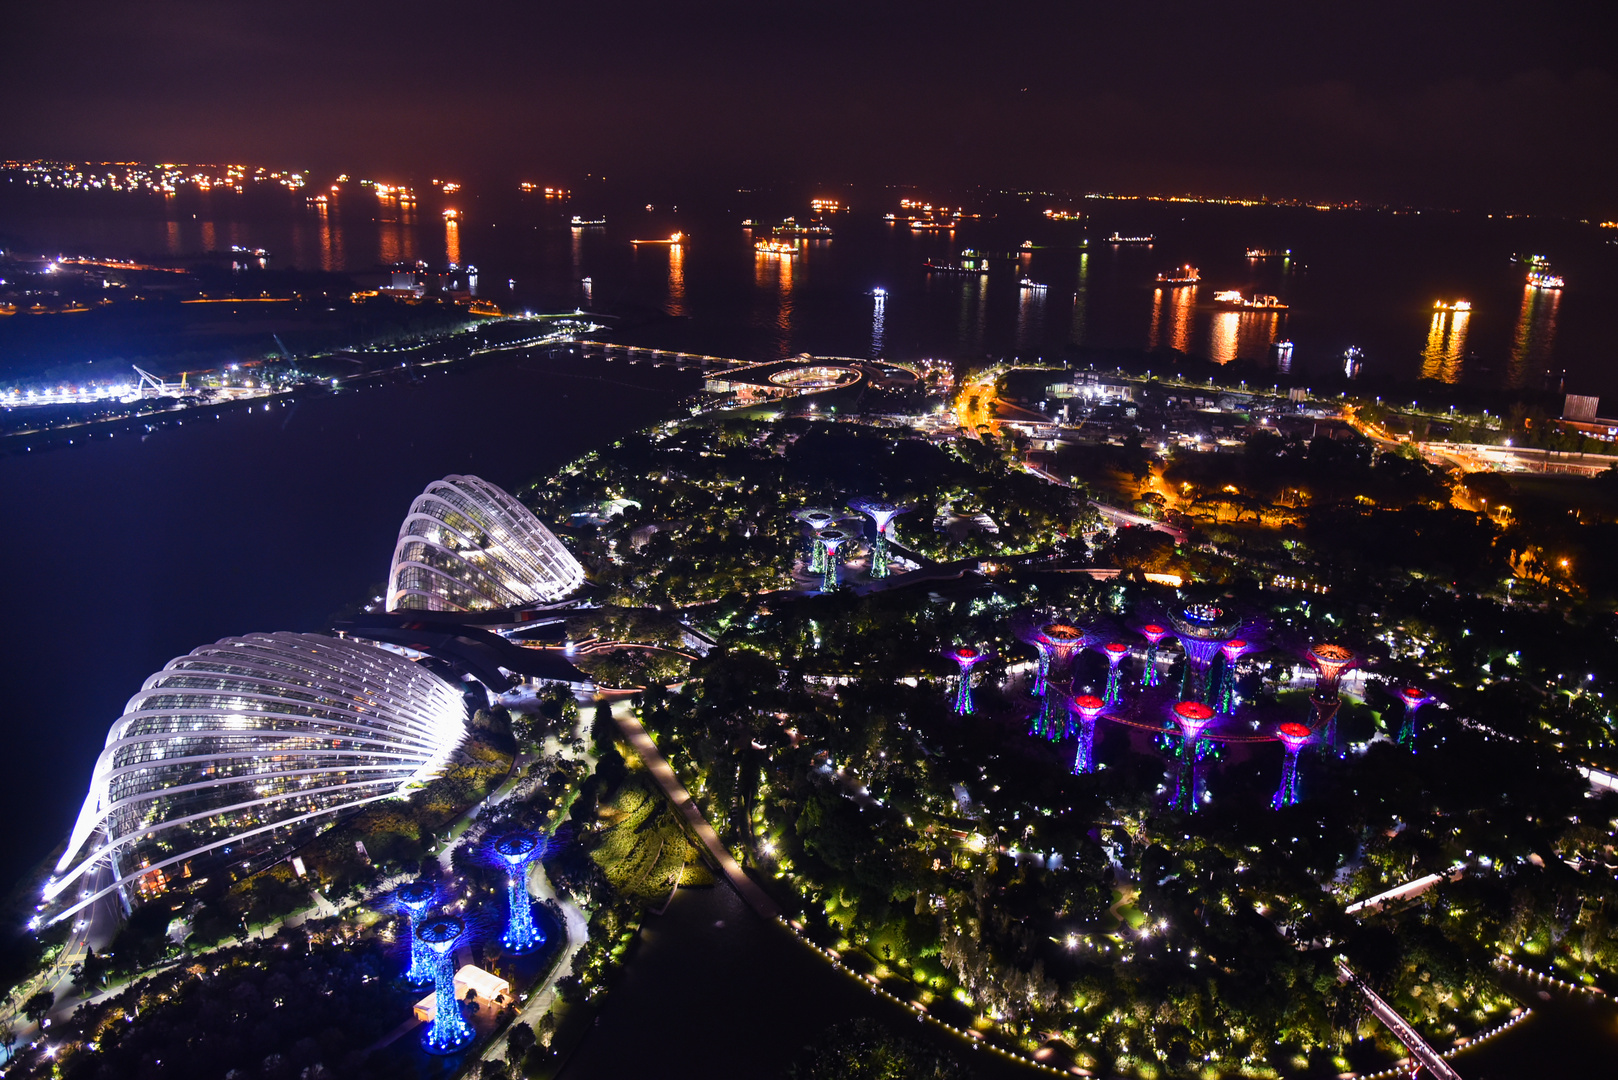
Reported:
(468, 546)
(244, 746)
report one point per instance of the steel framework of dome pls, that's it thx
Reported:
(466, 545)
(245, 745)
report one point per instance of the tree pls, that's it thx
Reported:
(37, 1006)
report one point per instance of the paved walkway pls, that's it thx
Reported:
(658, 766)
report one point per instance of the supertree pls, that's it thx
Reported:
(1232, 650)
(1115, 652)
(883, 514)
(967, 657)
(1294, 736)
(1410, 732)
(1202, 630)
(1055, 642)
(831, 541)
(816, 520)
(416, 897)
(1089, 707)
(1153, 633)
(1330, 662)
(1193, 717)
(449, 1030)
(515, 851)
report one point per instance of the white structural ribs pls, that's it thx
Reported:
(242, 744)
(466, 545)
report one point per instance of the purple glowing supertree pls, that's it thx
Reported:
(967, 657)
(1232, 650)
(449, 1031)
(1330, 662)
(1055, 642)
(831, 541)
(1193, 718)
(1414, 698)
(883, 514)
(1202, 629)
(1089, 707)
(1115, 652)
(1294, 736)
(416, 897)
(1153, 633)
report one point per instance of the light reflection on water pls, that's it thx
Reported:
(879, 318)
(1241, 334)
(1030, 317)
(1446, 345)
(1081, 298)
(1182, 305)
(1536, 331)
(677, 280)
(452, 241)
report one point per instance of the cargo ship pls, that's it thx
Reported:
(1230, 298)
(1269, 253)
(1185, 275)
(587, 223)
(1119, 238)
(674, 239)
(972, 262)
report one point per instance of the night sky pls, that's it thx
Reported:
(1498, 106)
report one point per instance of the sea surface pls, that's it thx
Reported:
(1362, 278)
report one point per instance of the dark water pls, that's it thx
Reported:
(710, 980)
(123, 553)
(1365, 278)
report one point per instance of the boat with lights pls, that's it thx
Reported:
(1230, 298)
(1119, 238)
(971, 262)
(1269, 253)
(1452, 305)
(1185, 275)
(775, 247)
(674, 239)
(1544, 279)
(587, 223)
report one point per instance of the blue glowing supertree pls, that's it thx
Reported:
(515, 851)
(883, 514)
(1193, 718)
(1294, 736)
(1153, 633)
(967, 657)
(1116, 653)
(449, 1030)
(1089, 707)
(1410, 733)
(416, 897)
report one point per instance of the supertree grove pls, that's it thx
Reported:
(1410, 732)
(1089, 707)
(967, 657)
(1154, 634)
(416, 897)
(882, 513)
(515, 851)
(449, 1030)
(1294, 736)
(1193, 718)
(1115, 652)
(831, 542)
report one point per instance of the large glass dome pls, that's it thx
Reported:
(468, 546)
(245, 746)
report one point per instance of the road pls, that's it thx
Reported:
(663, 773)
